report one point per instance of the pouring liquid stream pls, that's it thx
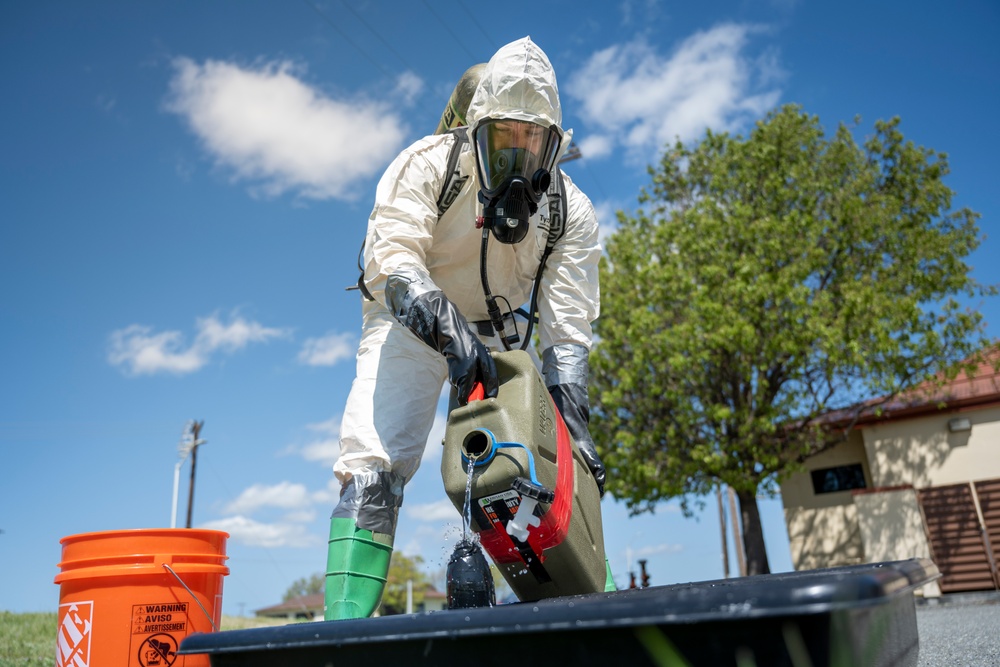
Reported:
(478, 393)
(467, 508)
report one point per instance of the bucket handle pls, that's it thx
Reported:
(207, 615)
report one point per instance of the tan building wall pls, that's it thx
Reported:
(922, 451)
(911, 462)
(824, 537)
(892, 528)
(823, 528)
(883, 522)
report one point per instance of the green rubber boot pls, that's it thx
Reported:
(357, 565)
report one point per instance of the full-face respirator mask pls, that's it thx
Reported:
(515, 159)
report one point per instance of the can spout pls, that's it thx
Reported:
(478, 445)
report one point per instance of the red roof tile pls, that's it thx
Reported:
(978, 389)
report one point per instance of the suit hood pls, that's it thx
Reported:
(518, 83)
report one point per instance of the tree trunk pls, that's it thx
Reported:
(753, 534)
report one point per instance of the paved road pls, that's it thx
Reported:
(959, 634)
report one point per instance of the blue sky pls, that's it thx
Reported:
(185, 186)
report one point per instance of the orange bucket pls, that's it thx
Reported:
(127, 598)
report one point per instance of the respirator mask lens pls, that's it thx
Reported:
(515, 159)
(513, 148)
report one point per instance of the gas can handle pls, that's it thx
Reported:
(478, 392)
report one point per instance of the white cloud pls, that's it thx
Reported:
(274, 130)
(330, 427)
(596, 146)
(646, 100)
(607, 219)
(214, 335)
(441, 510)
(325, 451)
(139, 351)
(432, 451)
(639, 12)
(408, 86)
(328, 350)
(106, 102)
(301, 516)
(434, 543)
(329, 496)
(284, 495)
(654, 549)
(256, 534)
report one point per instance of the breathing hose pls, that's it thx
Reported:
(496, 317)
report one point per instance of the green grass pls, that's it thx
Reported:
(29, 640)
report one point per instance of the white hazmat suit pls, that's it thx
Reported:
(413, 254)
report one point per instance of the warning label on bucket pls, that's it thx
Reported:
(73, 640)
(164, 617)
(157, 629)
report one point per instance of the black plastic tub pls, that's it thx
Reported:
(854, 616)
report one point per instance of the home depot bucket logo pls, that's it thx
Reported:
(73, 641)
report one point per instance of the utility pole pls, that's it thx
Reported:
(183, 451)
(195, 431)
(722, 524)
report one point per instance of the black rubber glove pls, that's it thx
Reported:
(574, 405)
(436, 321)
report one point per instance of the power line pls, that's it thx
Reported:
(478, 25)
(349, 40)
(451, 32)
(403, 61)
(420, 103)
(593, 177)
(376, 33)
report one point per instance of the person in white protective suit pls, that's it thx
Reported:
(427, 319)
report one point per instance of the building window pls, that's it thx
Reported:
(839, 478)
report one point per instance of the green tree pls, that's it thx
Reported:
(305, 586)
(439, 580)
(403, 568)
(767, 281)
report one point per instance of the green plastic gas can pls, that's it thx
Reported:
(524, 458)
